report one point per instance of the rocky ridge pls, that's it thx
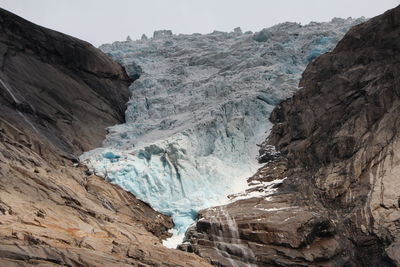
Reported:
(327, 196)
(57, 96)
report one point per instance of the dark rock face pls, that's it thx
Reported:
(338, 142)
(57, 96)
(65, 87)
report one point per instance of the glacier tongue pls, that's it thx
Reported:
(198, 110)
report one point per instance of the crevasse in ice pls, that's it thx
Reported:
(198, 110)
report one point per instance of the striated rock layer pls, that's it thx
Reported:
(329, 196)
(57, 96)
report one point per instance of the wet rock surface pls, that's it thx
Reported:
(274, 226)
(330, 197)
(57, 96)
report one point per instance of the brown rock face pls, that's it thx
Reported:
(339, 145)
(57, 96)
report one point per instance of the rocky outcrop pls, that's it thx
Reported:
(57, 96)
(328, 196)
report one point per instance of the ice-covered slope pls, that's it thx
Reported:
(199, 108)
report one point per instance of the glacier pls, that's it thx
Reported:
(198, 110)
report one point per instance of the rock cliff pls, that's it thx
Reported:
(57, 96)
(328, 193)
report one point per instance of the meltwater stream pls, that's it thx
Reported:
(198, 110)
(225, 231)
(11, 93)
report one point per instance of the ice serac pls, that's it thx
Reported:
(57, 96)
(328, 194)
(199, 108)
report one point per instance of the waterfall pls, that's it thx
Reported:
(223, 223)
(8, 89)
(18, 102)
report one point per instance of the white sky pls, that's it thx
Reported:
(104, 21)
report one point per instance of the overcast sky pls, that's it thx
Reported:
(104, 21)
